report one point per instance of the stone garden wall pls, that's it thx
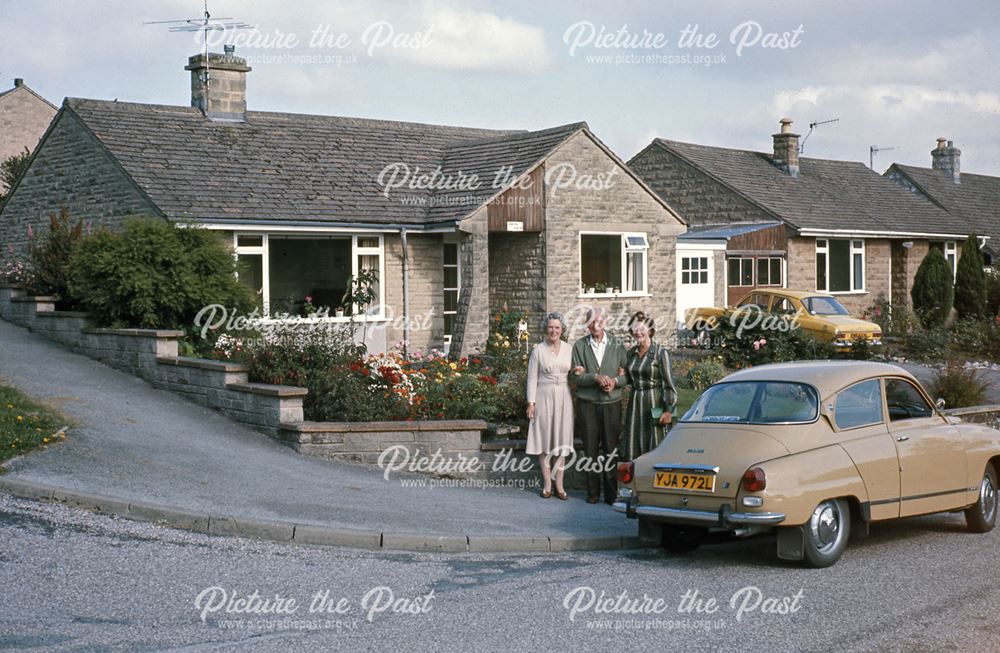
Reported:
(275, 410)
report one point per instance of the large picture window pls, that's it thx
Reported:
(840, 265)
(610, 261)
(285, 271)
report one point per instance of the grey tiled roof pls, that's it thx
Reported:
(296, 167)
(975, 201)
(828, 194)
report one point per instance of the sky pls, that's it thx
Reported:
(889, 74)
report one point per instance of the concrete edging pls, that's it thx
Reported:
(279, 531)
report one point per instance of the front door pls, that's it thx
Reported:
(933, 475)
(695, 281)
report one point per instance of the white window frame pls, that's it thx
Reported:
(263, 250)
(458, 280)
(626, 249)
(856, 246)
(692, 271)
(951, 250)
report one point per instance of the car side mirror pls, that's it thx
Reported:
(940, 403)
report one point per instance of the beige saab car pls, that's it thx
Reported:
(816, 450)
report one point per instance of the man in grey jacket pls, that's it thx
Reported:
(598, 370)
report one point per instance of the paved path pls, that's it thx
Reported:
(149, 448)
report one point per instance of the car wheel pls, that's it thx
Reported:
(827, 532)
(683, 539)
(982, 517)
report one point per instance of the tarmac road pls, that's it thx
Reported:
(76, 581)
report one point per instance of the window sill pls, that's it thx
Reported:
(843, 292)
(323, 320)
(611, 295)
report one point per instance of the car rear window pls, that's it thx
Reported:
(755, 402)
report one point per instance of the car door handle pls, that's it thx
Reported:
(902, 438)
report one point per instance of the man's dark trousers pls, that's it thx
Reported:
(600, 426)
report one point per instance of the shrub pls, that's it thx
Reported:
(705, 374)
(977, 337)
(758, 345)
(49, 258)
(970, 281)
(154, 274)
(11, 170)
(508, 346)
(993, 292)
(928, 344)
(959, 386)
(933, 290)
(894, 319)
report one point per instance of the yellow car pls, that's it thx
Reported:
(817, 314)
(815, 449)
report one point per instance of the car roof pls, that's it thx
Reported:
(796, 294)
(826, 376)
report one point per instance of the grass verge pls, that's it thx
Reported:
(26, 425)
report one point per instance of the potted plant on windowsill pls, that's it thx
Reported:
(601, 288)
(339, 311)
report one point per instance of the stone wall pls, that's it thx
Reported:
(24, 117)
(624, 206)
(472, 321)
(275, 410)
(426, 289)
(73, 171)
(517, 272)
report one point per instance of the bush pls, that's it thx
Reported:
(705, 374)
(977, 338)
(970, 281)
(11, 170)
(933, 290)
(993, 292)
(154, 275)
(508, 346)
(928, 344)
(959, 386)
(49, 258)
(895, 320)
(758, 345)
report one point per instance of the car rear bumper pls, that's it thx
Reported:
(724, 518)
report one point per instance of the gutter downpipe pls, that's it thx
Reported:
(406, 293)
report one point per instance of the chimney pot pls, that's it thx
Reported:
(786, 149)
(229, 49)
(18, 82)
(947, 158)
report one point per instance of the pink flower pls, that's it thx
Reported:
(756, 345)
(763, 342)
(309, 299)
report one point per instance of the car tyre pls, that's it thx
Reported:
(982, 517)
(683, 539)
(827, 533)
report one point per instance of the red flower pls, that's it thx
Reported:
(488, 379)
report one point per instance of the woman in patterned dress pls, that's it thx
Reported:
(648, 372)
(550, 405)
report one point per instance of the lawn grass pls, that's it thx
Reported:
(26, 425)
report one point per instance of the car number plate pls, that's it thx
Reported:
(678, 481)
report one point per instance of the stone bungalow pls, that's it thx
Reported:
(24, 116)
(775, 219)
(457, 222)
(973, 199)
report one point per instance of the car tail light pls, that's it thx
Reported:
(625, 471)
(754, 480)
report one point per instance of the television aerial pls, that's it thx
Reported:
(873, 150)
(812, 126)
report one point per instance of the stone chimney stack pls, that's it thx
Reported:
(18, 82)
(219, 85)
(948, 158)
(786, 149)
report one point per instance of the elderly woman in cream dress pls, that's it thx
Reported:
(550, 405)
